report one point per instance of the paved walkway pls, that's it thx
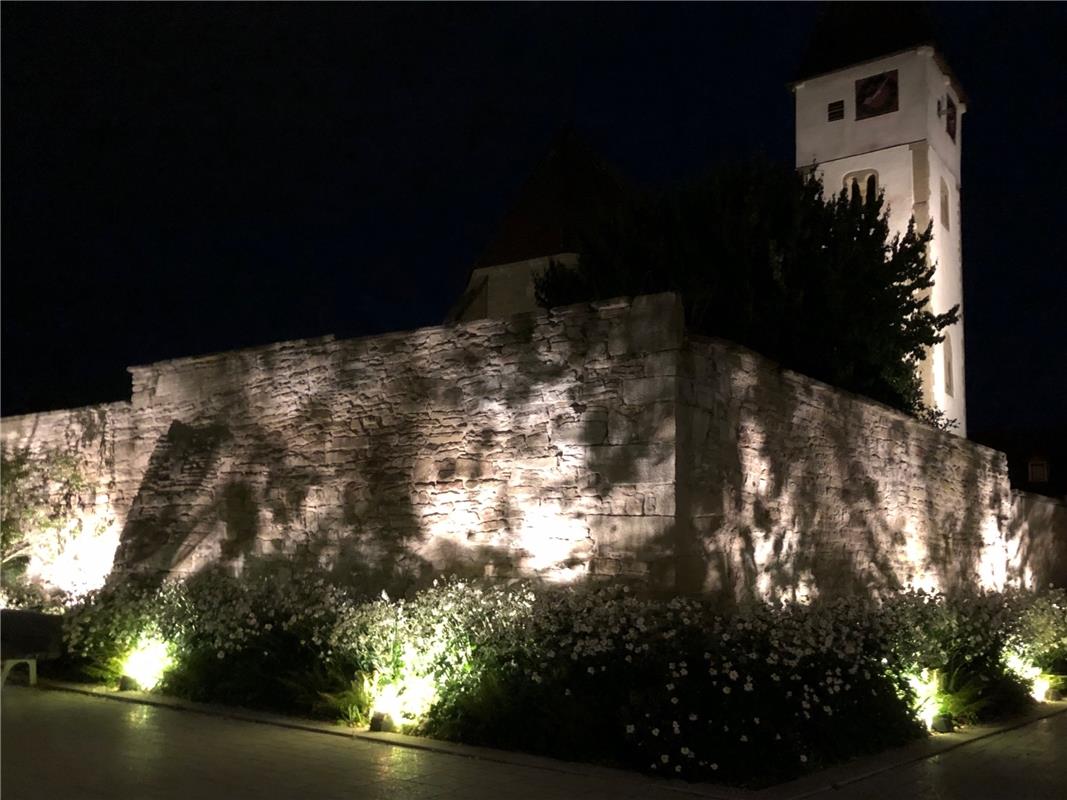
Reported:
(1028, 763)
(63, 745)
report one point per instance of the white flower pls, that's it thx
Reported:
(629, 728)
(664, 758)
(726, 690)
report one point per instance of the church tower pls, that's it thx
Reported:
(896, 116)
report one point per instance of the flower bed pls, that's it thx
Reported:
(600, 674)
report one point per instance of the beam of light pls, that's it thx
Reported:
(1030, 674)
(147, 662)
(927, 703)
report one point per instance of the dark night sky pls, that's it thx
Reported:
(181, 179)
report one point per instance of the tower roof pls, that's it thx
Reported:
(848, 33)
(568, 190)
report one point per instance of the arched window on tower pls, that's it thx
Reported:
(945, 205)
(863, 180)
(946, 348)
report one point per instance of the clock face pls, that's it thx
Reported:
(876, 95)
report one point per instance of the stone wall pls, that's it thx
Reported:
(540, 445)
(78, 554)
(593, 440)
(1038, 535)
(796, 488)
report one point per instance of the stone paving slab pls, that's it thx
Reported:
(81, 745)
(451, 762)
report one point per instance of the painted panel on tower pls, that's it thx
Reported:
(877, 95)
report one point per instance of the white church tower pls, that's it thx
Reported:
(898, 117)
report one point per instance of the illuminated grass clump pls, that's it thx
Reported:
(669, 686)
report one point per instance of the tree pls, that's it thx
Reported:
(38, 495)
(760, 257)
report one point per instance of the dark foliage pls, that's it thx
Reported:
(760, 257)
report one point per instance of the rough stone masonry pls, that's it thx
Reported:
(586, 441)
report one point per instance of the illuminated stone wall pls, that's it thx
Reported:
(1038, 537)
(539, 445)
(78, 554)
(794, 488)
(589, 441)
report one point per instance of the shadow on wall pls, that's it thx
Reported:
(1037, 540)
(561, 446)
(390, 462)
(799, 490)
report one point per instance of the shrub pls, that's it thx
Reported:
(1039, 635)
(595, 673)
(671, 687)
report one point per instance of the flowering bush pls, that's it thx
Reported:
(1039, 634)
(671, 687)
(972, 646)
(598, 673)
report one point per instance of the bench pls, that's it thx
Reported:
(25, 638)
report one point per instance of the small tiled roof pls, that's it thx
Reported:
(568, 192)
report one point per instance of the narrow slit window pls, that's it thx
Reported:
(949, 387)
(950, 118)
(945, 206)
(835, 111)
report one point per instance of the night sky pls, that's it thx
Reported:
(181, 179)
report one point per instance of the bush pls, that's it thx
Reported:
(673, 688)
(598, 674)
(1039, 635)
(963, 641)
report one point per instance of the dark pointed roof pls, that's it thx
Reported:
(566, 193)
(848, 33)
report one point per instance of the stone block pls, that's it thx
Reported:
(641, 391)
(635, 538)
(650, 423)
(593, 430)
(631, 463)
(662, 364)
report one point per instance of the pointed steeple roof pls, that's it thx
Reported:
(568, 190)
